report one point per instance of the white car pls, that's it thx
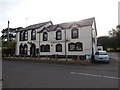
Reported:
(101, 56)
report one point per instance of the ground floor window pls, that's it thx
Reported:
(58, 48)
(21, 49)
(75, 46)
(25, 49)
(45, 48)
(79, 46)
(71, 47)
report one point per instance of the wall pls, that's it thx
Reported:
(36, 42)
(84, 37)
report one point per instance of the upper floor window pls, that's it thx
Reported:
(33, 35)
(21, 36)
(58, 48)
(58, 35)
(74, 33)
(45, 36)
(25, 35)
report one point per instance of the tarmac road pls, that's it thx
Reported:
(26, 74)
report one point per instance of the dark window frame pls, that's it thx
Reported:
(21, 38)
(77, 44)
(73, 34)
(25, 35)
(25, 47)
(45, 48)
(33, 34)
(21, 48)
(69, 45)
(42, 48)
(57, 35)
(45, 38)
(58, 45)
(80, 45)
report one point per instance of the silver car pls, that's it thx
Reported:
(101, 56)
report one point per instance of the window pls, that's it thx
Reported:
(58, 48)
(74, 33)
(42, 48)
(78, 46)
(45, 36)
(58, 35)
(25, 35)
(21, 36)
(21, 49)
(75, 46)
(25, 49)
(71, 47)
(33, 35)
(45, 48)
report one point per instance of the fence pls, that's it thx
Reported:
(53, 58)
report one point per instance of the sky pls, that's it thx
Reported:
(22, 13)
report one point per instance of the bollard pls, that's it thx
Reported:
(20, 56)
(55, 56)
(9, 56)
(25, 56)
(78, 58)
(14, 56)
(66, 58)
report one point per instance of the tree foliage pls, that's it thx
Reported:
(8, 47)
(111, 41)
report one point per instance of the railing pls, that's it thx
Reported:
(52, 58)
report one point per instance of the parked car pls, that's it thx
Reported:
(101, 56)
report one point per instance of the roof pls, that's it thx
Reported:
(85, 22)
(35, 26)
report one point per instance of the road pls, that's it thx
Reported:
(24, 74)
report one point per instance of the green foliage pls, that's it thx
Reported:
(8, 47)
(111, 41)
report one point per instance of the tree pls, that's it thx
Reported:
(8, 47)
(111, 41)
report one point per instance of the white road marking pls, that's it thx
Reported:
(95, 75)
(73, 72)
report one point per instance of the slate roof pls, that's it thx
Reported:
(82, 23)
(35, 26)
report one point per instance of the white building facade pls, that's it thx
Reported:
(72, 39)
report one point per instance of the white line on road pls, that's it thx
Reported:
(95, 75)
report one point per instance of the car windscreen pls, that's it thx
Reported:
(100, 53)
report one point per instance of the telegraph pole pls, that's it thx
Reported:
(8, 32)
(65, 47)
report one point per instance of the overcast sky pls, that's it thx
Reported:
(59, 11)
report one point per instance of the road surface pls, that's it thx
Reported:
(27, 74)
